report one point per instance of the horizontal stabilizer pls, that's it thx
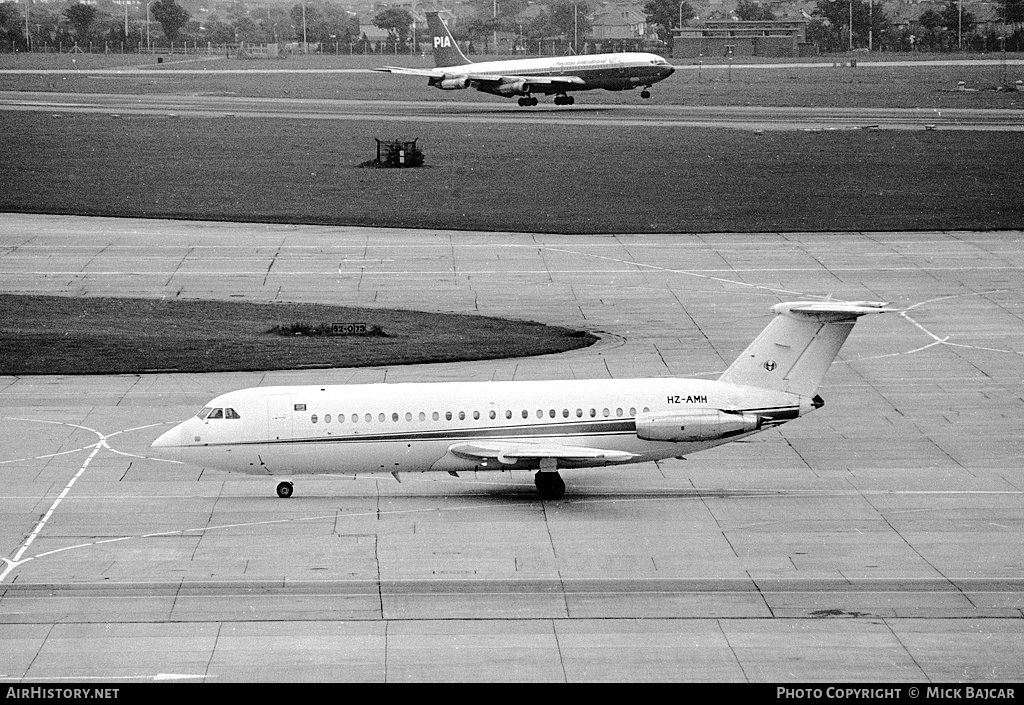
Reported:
(838, 309)
(796, 349)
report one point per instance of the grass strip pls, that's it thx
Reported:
(73, 336)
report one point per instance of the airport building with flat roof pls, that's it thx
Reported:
(778, 38)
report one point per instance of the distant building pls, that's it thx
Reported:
(618, 22)
(372, 32)
(743, 38)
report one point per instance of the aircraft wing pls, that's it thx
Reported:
(432, 73)
(509, 452)
(485, 78)
(545, 80)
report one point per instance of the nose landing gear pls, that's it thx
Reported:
(645, 93)
(284, 490)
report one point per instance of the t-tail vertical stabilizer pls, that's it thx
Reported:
(446, 49)
(795, 351)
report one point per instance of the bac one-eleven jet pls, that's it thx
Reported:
(532, 426)
(523, 77)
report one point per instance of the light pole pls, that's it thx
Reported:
(28, 34)
(575, 31)
(960, 25)
(305, 46)
(149, 44)
(413, 49)
(871, 24)
(681, 3)
(851, 25)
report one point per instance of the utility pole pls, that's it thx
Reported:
(575, 31)
(960, 25)
(28, 34)
(851, 25)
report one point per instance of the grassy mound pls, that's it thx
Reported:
(63, 335)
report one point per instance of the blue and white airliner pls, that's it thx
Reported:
(530, 426)
(522, 78)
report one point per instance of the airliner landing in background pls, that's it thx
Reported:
(532, 426)
(548, 76)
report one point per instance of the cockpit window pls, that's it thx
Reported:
(204, 413)
(216, 414)
(231, 414)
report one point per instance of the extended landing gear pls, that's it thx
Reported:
(527, 101)
(549, 485)
(645, 93)
(284, 490)
(564, 100)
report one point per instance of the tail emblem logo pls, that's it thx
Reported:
(770, 365)
(442, 42)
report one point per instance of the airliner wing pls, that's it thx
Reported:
(433, 73)
(486, 78)
(545, 80)
(508, 453)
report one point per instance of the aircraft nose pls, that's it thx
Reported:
(169, 439)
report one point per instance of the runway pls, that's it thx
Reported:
(668, 116)
(878, 539)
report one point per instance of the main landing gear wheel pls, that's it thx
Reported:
(284, 490)
(564, 100)
(645, 93)
(549, 485)
(527, 101)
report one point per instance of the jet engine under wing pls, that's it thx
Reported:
(488, 79)
(510, 453)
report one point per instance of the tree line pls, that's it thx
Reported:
(168, 21)
(830, 27)
(944, 29)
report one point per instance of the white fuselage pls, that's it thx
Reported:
(609, 71)
(414, 427)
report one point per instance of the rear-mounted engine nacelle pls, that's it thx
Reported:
(693, 426)
(514, 88)
(451, 84)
